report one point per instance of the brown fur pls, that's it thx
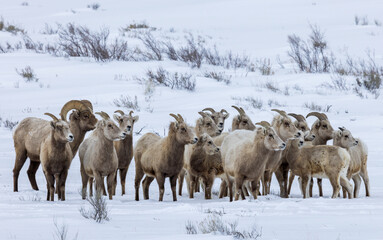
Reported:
(206, 124)
(242, 122)
(98, 157)
(322, 160)
(124, 148)
(245, 158)
(161, 157)
(29, 135)
(56, 157)
(219, 118)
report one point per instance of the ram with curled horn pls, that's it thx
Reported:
(31, 131)
(124, 148)
(56, 157)
(98, 156)
(242, 121)
(159, 158)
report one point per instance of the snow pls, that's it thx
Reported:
(257, 28)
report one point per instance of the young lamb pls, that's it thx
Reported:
(162, 157)
(245, 158)
(98, 157)
(124, 148)
(31, 131)
(198, 165)
(359, 152)
(322, 161)
(56, 157)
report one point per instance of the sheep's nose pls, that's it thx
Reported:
(124, 134)
(129, 127)
(301, 142)
(195, 140)
(356, 142)
(221, 124)
(217, 150)
(298, 134)
(220, 130)
(70, 138)
(283, 145)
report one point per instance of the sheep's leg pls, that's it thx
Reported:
(91, 186)
(223, 189)
(335, 183)
(173, 186)
(244, 191)
(103, 186)
(345, 183)
(305, 182)
(61, 184)
(99, 183)
(254, 189)
(282, 182)
(110, 181)
(230, 187)
(84, 178)
(319, 181)
(238, 188)
(21, 157)
(197, 185)
(266, 179)
(34, 165)
(57, 180)
(192, 180)
(137, 181)
(311, 187)
(209, 181)
(181, 178)
(145, 186)
(51, 186)
(364, 174)
(291, 179)
(123, 173)
(161, 185)
(115, 181)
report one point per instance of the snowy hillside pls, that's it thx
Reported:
(254, 70)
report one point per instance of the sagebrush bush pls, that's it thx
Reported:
(127, 102)
(28, 74)
(218, 76)
(98, 211)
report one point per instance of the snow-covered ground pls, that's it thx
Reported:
(257, 28)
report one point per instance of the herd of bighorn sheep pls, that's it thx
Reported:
(243, 158)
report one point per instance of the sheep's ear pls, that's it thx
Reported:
(225, 116)
(102, 122)
(317, 125)
(117, 117)
(135, 118)
(340, 133)
(203, 138)
(53, 125)
(75, 115)
(296, 124)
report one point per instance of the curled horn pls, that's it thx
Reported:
(209, 109)
(298, 117)
(52, 116)
(73, 104)
(316, 114)
(325, 116)
(120, 112)
(88, 104)
(181, 118)
(264, 124)
(240, 110)
(223, 111)
(130, 113)
(175, 116)
(104, 115)
(281, 112)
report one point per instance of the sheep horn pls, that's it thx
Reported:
(298, 117)
(342, 128)
(104, 115)
(325, 116)
(181, 118)
(240, 110)
(88, 104)
(202, 114)
(52, 116)
(223, 111)
(73, 104)
(316, 114)
(130, 113)
(281, 112)
(175, 116)
(264, 124)
(120, 112)
(209, 109)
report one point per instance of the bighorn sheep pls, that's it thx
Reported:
(358, 153)
(323, 132)
(124, 148)
(205, 124)
(319, 161)
(198, 165)
(244, 158)
(32, 131)
(56, 157)
(241, 121)
(98, 156)
(285, 129)
(218, 117)
(162, 157)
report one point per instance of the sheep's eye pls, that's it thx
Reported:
(346, 136)
(212, 117)
(244, 122)
(121, 120)
(325, 126)
(303, 128)
(271, 136)
(183, 129)
(110, 125)
(208, 124)
(287, 124)
(209, 142)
